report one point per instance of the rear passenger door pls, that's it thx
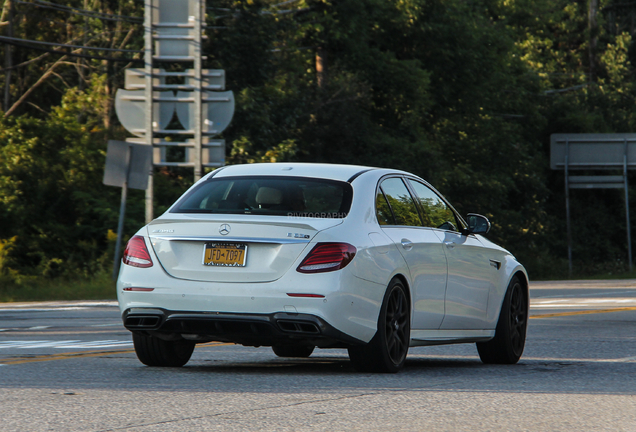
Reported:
(421, 248)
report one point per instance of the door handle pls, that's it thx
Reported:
(449, 244)
(407, 244)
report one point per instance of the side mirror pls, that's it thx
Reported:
(477, 224)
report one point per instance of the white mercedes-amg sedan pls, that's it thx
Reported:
(298, 256)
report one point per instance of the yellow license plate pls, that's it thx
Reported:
(225, 254)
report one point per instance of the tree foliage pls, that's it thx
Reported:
(463, 93)
(53, 208)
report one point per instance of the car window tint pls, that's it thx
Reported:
(383, 211)
(320, 197)
(273, 195)
(401, 202)
(435, 212)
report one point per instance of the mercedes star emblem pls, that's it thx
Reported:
(225, 229)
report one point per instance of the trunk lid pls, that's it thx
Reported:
(272, 245)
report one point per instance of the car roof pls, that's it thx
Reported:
(317, 170)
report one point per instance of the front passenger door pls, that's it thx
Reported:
(470, 274)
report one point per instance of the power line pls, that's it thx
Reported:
(101, 15)
(237, 12)
(17, 42)
(6, 38)
(46, 17)
(91, 14)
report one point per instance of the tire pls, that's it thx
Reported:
(293, 350)
(510, 336)
(386, 352)
(153, 351)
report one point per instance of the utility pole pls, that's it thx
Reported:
(321, 67)
(593, 30)
(8, 59)
(80, 60)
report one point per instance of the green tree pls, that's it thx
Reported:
(463, 93)
(54, 211)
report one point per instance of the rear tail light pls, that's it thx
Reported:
(326, 257)
(136, 253)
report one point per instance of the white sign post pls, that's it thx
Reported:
(127, 166)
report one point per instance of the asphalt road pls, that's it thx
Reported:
(69, 366)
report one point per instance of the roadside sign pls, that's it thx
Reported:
(592, 152)
(127, 162)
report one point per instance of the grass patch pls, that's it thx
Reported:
(99, 287)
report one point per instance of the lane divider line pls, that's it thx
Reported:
(587, 312)
(79, 354)
(63, 356)
(64, 344)
(624, 291)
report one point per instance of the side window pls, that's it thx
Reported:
(400, 202)
(436, 213)
(382, 210)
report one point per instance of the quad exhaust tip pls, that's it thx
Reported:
(142, 322)
(298, 327)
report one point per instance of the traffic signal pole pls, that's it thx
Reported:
(148, 103)
(173, 30)
(198, 30)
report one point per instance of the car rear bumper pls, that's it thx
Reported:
(251, 329)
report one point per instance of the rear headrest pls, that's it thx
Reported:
(269, 196)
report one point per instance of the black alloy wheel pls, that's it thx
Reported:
(396, 321)
(510, 336)
(518, 319)
(153, 351)
(388, 349)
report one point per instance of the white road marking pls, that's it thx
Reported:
(582, 296)
(529, 359)
(117, 324)
(112, 303)
(51, 309)
(65, 344)
(581, 360)
(582, 303)
(56, 305)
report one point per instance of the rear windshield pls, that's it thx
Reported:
(288, 196)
